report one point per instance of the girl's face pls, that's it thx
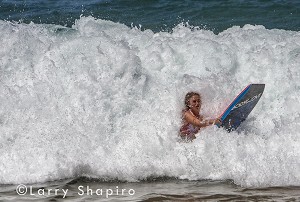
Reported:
(195, 103)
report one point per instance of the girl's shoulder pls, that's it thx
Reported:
(187, 111)
(184, 112)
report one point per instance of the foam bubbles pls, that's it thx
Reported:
(104, 100)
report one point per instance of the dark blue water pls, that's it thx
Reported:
(159, 15)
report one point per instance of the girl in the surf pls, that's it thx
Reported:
(191, 118)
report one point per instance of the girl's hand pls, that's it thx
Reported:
(217, 121)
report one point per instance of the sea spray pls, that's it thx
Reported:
(104, 100)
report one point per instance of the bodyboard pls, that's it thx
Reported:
(241, 106)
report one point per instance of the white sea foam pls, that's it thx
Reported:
(104, 100)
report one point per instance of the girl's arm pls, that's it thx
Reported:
(199, 123)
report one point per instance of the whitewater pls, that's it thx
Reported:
(104, 100)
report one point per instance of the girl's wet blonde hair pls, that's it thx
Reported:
(187, 98)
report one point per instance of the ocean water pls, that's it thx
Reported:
(91, 95)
